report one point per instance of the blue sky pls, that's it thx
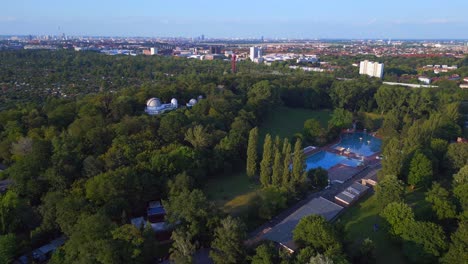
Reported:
(238, 18)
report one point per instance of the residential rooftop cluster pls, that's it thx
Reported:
(168, 46)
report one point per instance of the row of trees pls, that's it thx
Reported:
(281, 168)
(82, 166)
(97, 158)
(419, 130)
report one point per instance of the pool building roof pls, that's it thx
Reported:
(282, 233)
(351, 194)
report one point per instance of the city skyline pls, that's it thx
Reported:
(246, 19)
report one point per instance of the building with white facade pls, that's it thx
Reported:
(307, 59)
(155, 107)
(373, 69)
(153, 51)
(255, 52)
(424, 79)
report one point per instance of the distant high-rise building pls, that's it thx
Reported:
(260, 52)
(255, 52)
(373, 69)
(202, 37)
(215, 49)
(153, 51)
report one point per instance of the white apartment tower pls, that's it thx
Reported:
(373, 69)
(255, 52)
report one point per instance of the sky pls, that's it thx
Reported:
(354, 19)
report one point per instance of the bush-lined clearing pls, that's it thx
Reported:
(416, 199)
(358, 222)
(285, 121)
(234, 193)
(376, 118)
(231, 193)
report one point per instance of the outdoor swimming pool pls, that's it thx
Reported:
(327, 160)
(360, 143)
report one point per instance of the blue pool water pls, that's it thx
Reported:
(327, 160)
(360, 143)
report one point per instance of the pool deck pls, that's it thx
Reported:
(368, 160)
(341, 173)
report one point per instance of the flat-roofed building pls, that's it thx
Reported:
(282, 233)
(373, 69)
(255, 52)
(351, 194)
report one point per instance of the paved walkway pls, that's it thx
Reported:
(256, 235)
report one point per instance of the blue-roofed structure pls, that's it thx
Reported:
(156, 212)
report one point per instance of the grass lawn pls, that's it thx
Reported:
(285, 122)
(231, 193)
(234, 193)
(358, 222)
(415, 198)
(376, 118)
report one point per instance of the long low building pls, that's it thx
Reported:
(351, 194)
(282, 233)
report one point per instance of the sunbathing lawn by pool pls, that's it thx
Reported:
(327, 160)
(360, 143)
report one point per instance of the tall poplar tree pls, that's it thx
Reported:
(277, 142)
(276, 178)
(286, 177)
(298, 165)
(252, 153)
(267, 162)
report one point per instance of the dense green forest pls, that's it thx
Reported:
(85, 158)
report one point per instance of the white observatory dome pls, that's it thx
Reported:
(193, 101)
(174, 101)
(153, 102)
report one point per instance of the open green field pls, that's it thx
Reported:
(358, 222)
(415, 199)
(285, 122)
(232, 193)
(377, 119)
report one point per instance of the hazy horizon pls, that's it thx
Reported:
(243, 19)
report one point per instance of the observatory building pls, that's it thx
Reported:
(155, 107)
(193, 101)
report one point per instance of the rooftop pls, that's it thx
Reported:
(352, 193)
(282, 233)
